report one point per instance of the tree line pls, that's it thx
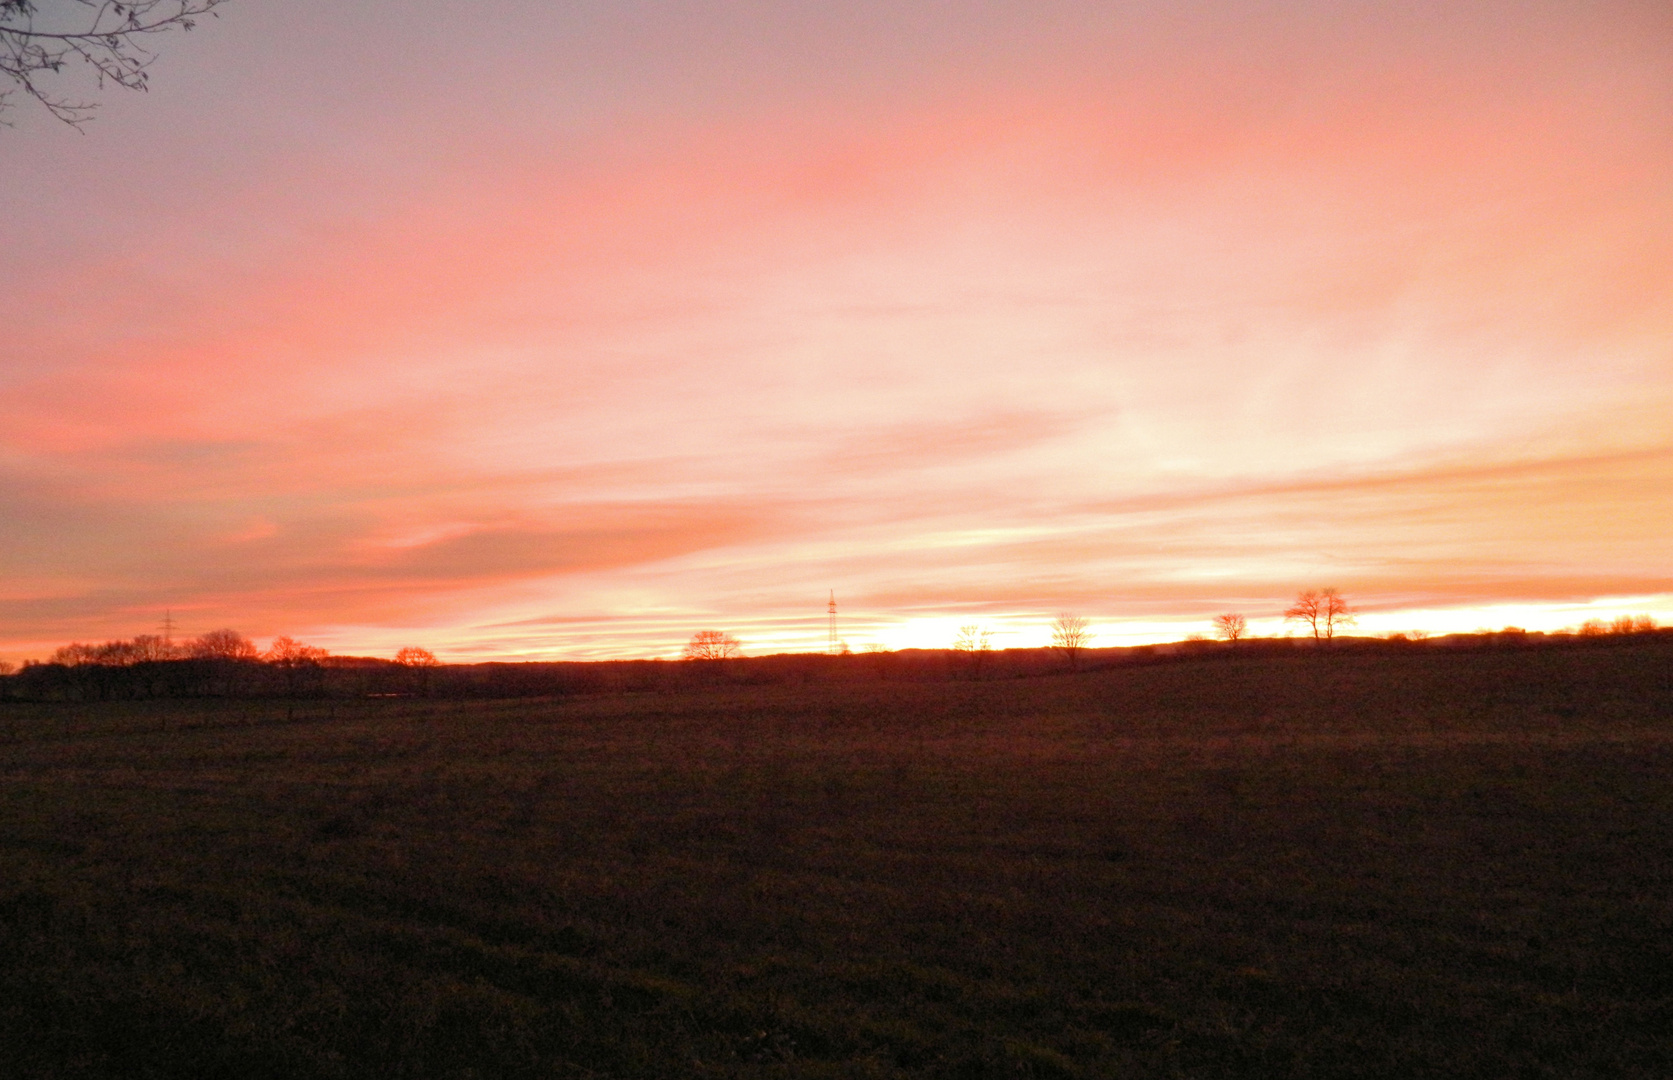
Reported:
(219, 663)
(225, 645)
(226, 663)
(1323, 614)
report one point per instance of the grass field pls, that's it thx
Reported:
(1395, 865)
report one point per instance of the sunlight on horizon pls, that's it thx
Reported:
(595, 639)
(980, 311)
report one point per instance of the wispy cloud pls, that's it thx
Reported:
(636, 318)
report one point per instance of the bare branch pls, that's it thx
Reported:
(1069, 635)
(712, 645)
(1323, 610)
(1231, 626)
(106, 36)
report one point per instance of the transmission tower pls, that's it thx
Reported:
(168, 627)
(831, 642)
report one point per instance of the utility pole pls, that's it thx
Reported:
(831, 642)
(168, 627)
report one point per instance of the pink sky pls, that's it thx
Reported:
(562, 331)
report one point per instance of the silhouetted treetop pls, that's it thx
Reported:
(1231, 626)
(1069, 635)
(712, 645)
(223, 645)
(1323, 611)
(288, 652)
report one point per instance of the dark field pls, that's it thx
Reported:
(1401, 865)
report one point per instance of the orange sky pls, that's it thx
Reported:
(565, 330)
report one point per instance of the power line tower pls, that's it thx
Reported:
(168, 627)
(831, 641)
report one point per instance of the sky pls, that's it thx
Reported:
(560, 330)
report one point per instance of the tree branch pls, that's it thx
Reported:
(108, 41)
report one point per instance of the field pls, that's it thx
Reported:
(1423, 864)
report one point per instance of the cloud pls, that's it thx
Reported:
(662, 314)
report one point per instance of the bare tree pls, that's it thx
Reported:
(1323, 611)
(712, 645)
(225, 661)
(143, 649)
(1231, 627)
(288, 652)
(153, 647)
(74, 654)
(420, 664)
(298, 662)
(1069, 635)
(973, 643)
(110, 38)
(223, 645)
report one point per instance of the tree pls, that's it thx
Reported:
(973, 642)
(1069, 635)
(223, 645)
(107, 36)
(153, 647)
(299, 663)
(712, 645)
(74, 654)
(420, 663)
(1323, 610)
(1231, 626)
(289, 653)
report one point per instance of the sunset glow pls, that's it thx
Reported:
(562, 331)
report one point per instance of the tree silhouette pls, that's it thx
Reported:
(1323, 610)
(420, 663)
(1231, 626)
(143, 649)
(973, 643)
(76, 654)
(153, 647)
(222, 645)
(1069, 635)
(712, 645)
(298, 662)
(108, 37)
(290, 653)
